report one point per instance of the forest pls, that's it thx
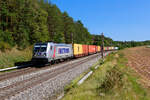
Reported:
(25, 22)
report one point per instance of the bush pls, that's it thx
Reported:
(113, 77)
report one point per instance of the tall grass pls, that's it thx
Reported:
(112, 81)
(10, 57)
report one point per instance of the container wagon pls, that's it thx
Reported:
(92, 49)
(99, 48)
(96, 47)
(113, 48)
(85, 50)
(105, 48)
(77, 50)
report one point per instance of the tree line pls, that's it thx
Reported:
(121, 44)
(25, 22)
(129, 44)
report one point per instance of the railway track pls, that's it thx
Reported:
(8, 75)
(13, 83)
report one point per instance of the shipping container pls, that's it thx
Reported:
(92, 49)
(85, 50)
(112, 48)
(96, 48)
(109, 48)
(99, 48)
(77, 50)
(105, 48)
(116, 48)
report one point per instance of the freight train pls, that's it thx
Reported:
(50, 52)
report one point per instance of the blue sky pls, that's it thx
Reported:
(118, 19)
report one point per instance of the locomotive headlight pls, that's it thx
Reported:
(44, 54)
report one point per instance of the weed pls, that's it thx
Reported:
(113, 77)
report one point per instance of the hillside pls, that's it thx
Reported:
(25, 22)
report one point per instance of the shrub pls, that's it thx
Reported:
(113, 77)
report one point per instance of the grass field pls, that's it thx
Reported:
(9, 58)
(114, 80)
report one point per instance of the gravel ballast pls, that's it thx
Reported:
(51, 87)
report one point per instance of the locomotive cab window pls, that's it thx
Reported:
(40, 48)
(43, 49)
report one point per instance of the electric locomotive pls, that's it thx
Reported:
(50, 52)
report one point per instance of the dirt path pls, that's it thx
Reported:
(139, 60)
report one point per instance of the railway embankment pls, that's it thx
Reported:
(114, 80)
(41, 83)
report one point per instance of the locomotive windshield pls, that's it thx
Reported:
(40, 48)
